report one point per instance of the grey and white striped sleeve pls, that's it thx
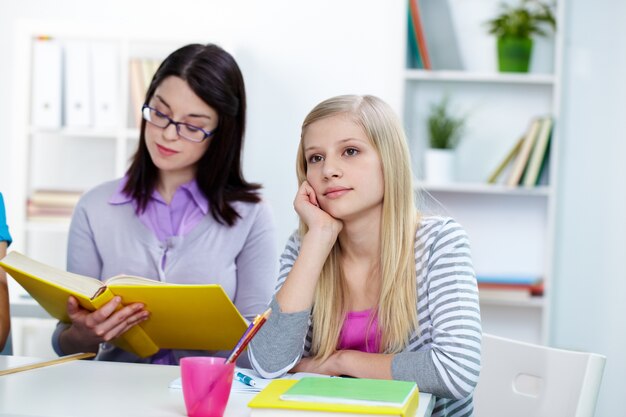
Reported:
(279, 345)
(448, 296)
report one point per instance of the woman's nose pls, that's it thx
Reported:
(170, 132)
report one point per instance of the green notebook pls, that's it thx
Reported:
(376, 392)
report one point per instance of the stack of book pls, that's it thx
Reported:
(52, 205)
(509, 288)
(312, 396)
(526, 162)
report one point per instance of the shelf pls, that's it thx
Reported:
(75, 132)
(27, 307)
(534, 302)
(60, 226)
(481, 188)
(132, 133)
(474, 77)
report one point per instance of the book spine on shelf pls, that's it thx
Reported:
(539, 153)
(105, 84)
(522, 158)
(137, 88)
(414, 59)
(46, 83)
(508, 279)
(419, 34)
(508, 159)
(77, 84)
(440, 35)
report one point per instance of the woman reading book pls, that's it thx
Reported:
(5, 241)
(183, 213)
(368, 286)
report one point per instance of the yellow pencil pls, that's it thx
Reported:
(62, 359)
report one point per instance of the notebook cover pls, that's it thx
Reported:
(270, 398)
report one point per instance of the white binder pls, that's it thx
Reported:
(77, 83)
(46, 84)
(105, 84)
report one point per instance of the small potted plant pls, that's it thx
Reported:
(444, 133)
(515, 26)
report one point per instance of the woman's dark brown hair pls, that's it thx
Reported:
(215, 77)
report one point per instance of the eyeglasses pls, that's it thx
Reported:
(184, 130)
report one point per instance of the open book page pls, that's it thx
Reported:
(74, 282)
(260, 382)
(132, 280)
(174, 308)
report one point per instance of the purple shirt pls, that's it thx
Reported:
(358, 334)
(186, 210)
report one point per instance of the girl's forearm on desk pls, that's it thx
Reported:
(350, 363)
(364, 365)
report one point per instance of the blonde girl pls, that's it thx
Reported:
(368, 287)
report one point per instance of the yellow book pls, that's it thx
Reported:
(186, 317)
(524, 153)
(268, 403)
(493, 177)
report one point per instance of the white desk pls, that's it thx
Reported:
(90, 388)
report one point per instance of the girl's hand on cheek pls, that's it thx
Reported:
(311, 213)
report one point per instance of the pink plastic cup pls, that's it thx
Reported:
(206, 385)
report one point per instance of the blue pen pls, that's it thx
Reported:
(245, 379)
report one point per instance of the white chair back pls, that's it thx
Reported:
(527, 380)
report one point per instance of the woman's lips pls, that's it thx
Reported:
(166, 151)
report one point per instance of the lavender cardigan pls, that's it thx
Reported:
(106, 240)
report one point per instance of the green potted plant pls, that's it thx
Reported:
(515, 26)
(444, 133)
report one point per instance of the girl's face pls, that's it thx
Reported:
(170, 152)
(343, 168)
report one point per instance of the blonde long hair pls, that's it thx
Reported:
(397, 305)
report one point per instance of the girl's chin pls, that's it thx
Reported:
(337, 214)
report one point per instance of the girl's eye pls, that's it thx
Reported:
(315, 158)
(351, 151)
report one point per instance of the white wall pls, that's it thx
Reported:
(589, 306)
(293, 55)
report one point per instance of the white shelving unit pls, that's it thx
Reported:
(511, 228)
(479, 77)
(65, 158)
(72, 158)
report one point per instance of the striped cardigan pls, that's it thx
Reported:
(443, 354)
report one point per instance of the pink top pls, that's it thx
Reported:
(355, 334)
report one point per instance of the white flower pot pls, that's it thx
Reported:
(439, 166)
